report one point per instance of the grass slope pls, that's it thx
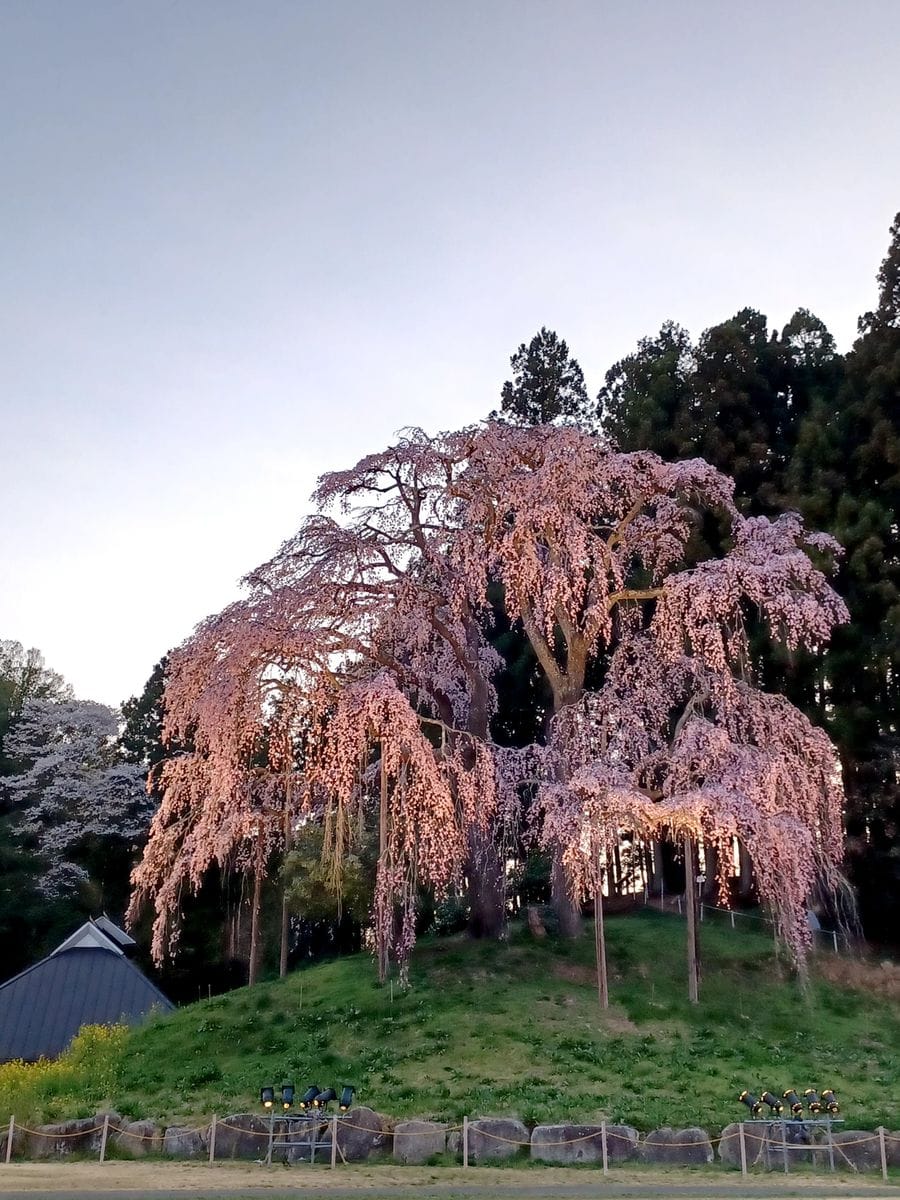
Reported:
(516, 1029)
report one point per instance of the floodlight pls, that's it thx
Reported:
(267, 1097)
(773, 1102)
(324, 1098)
(287, 1095)
(346, 1096)
(751, 1101)
(795, 1102)
(829, 1099)
(309, 1096)
(813, 1103)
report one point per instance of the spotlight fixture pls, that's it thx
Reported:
(287, 1095)
(324, 1098)
(773, 1102)
(751, 1101)
(346, 1096)
(795, 1102)
(309, 1096)
(813, 1103)
(267, 1097)
(829, 1099)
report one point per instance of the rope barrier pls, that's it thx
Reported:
(51, 1134)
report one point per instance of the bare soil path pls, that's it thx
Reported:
(246, 1181)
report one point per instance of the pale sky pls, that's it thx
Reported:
(244, 243)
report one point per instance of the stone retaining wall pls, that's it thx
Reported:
(364, 1133)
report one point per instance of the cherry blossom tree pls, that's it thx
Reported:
(359, 639)
(594, 549)
(355, 678)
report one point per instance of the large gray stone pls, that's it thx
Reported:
(62, 1139)
(493, 1138)
(179, 1141)
(243, 1135)
(308, 1139)
(892, 1147)
(417, 1141)
(361, 1133)
(730, 1143)
(786, 1139)
(857, 1148)
(583, 1143)
(139, 1138)
(687, 1146)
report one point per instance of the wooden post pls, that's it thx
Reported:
(604, 1148)
(743, 1149)
(212, 1139)
(691, 900)
(784, 1145)
(600, 950)
(271, 1138)
(881, 1147)
(732, 918)
(830, 1146)
(255, 932)
(285, 913)
(383, 963)
(334, 1121)
(465, 1141)
(103, 1136)
(9, 1138)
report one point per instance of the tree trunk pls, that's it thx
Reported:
(711, 867)
(567, 913)
(746, 882)
(255, 935)
(486, 891)
(693, 943)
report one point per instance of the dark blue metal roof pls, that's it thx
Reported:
(42, 1009)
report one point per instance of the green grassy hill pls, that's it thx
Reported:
(489, 1029)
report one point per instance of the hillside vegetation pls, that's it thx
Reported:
(515, 1028)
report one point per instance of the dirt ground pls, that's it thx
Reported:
(137, 1180)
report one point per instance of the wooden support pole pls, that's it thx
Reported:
(10, 1134)
(334, 1128)
(212, 1139)
(691, 900)
(604, 1148)
(882, 1149)
(465, 1141)
(600, 950)
(103, 1136)
(743, 1142)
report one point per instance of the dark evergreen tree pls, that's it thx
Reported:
(647, 401)
(864, 666)
(547, 385)
(141, 737)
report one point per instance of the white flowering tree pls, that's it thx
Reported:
(75, 803)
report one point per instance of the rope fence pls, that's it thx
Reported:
(756, 1137)
(676, 903)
